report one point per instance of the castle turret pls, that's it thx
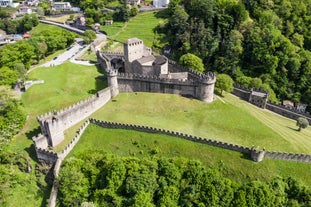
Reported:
(112, 77)
(206, 87)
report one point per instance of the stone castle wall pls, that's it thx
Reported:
(54, 123)
(289, 113)
(256, 155)
(128, 82)
(198, 85)
(245, 93)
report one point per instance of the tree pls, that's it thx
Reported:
(302, 123)
(89, 36)
(8, 76)
(192, 62)
(224, 83)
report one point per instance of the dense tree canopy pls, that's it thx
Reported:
(109, 180)
(224, 83)
(257, 39)
(193, 62)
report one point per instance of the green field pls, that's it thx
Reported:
(133, 28)
(63, 85)
(42, 27)
(232, 164)
(230, 119)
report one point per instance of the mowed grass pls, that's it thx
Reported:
(230, 119)
(63, 86)
(141, 26)
(235, 165)
(43, 27)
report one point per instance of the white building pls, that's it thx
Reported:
(160, 3)
(24, 10)
(5, 3)
(62, 6)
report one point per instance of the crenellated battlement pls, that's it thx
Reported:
(133, 76)
(255, 154)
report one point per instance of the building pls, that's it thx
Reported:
(24, 10)
(160, 3)
(61, 6)
(5, 3)
(132, 2)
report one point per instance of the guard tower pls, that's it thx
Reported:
(134, 49)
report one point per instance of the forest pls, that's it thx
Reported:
(109, 180)
(262, 44)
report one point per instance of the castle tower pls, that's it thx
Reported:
(206, 88)
(112, 77)
(133, 50)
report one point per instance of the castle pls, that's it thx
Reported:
(137, 70)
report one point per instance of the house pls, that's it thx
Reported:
(5, 3)
(108, 22)
(160, 3)
(32, 2)
(288, 104)
(24, 10)
(61, 6)
(132, 2)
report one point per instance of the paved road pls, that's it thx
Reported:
(75, 50)
(67, 55)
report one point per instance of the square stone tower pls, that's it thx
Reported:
(134, 49)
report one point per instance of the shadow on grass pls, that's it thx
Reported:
(294, 129)
(162, 14)
(246, 156)
(31, 150)
(34, 132)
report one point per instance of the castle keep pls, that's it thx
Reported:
(140, 71)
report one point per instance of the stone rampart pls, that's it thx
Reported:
(54, 123)
(128, 82)
(288, 156)
(40, 141)
(46, 155)
(74, 141)
(255, 154)
(113, 125)
(289, 113)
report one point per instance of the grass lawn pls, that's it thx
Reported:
(63, 85)
(42, 27)
(232, 164)
(231, 120)
(133, 28)
(60, 19)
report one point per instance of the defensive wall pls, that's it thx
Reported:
(53, 124)
(255, 154)
(246, 94)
